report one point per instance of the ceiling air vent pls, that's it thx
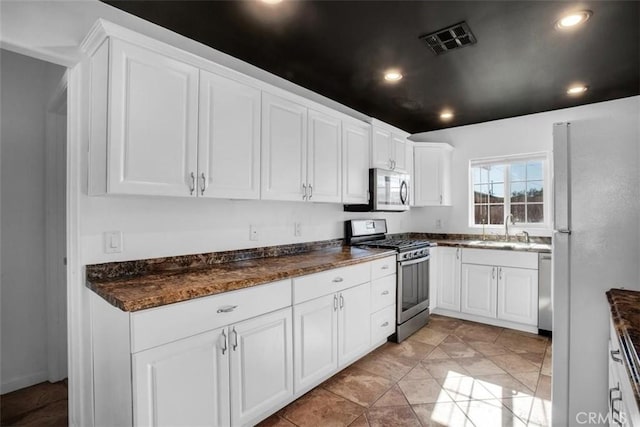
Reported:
(449, 38)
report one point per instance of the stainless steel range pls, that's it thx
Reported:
(412, 297)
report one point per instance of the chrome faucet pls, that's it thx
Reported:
(526, 237)
(506, 226)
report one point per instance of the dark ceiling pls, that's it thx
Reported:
(340, 49)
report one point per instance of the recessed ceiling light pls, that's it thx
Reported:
(573, 19)
(272, 1)
(577, 90)
(446, 115)
(392, 75)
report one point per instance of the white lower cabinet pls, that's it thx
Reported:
(447, 287)
(518, 295)
(354, 323)
(228, 376)
(478, 290)
(185, 382)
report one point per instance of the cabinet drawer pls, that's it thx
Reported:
(501, 258)
(156, 326)
(383, 324)
(324, 283)
(383, 267)
(383, 292)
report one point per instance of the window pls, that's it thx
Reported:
(515, 185)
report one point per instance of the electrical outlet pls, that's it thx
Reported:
(253, 233)
(112, 242)
(297, 229)
(438, 224)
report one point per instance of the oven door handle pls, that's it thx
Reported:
(414, 261)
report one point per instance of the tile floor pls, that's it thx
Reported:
(41, 405)
(449, 373)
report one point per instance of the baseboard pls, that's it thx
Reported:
(486, 320)
(24, 381)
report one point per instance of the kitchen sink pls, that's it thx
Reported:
(505, 245)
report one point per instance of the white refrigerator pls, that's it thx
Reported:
(595, 248)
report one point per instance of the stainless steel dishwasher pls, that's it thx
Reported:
(545, 295)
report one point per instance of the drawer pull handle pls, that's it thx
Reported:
(384, 324)
(338, 280)
(385, 267)
(341, 301)
(235, 339)
(385, 292)
(227, 309)
(615, 353)
(335, 303)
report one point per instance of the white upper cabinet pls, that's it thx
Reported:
(388, 147)
(150, 128)
(284, 149)
(229, 139)
(324, 158)
(355, 161)
(432, 174)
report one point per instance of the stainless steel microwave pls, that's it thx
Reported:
(388, 192)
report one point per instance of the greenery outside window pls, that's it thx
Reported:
(516, 185)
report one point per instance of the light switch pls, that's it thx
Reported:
(112, 242)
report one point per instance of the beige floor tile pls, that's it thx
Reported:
(474, 332)
(540, 413)
(441, 368)
(392, 417)
(442, 414)
(544, 387)
(410, 351)
(520, 406)
(480, 366)
(513, 363)
(361, 421)
(275, 421)
(381, 364)
(546, 363)
(535, 358)
(522, 342)
(428, 336)
(504, 386)
(456, 348)
(465, 388)
(529, 379)
(393, 397)
(437, 353)
(358, 386)
(423, 391)
(488, 349)
(490, 413)
(418, 373)
(320, 407)
(443, 323)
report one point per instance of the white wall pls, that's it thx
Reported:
(26, 85)
(518, 135)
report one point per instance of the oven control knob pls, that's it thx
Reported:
(405, 256)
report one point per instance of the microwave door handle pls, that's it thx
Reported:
(404, 189)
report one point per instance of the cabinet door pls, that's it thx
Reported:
(448, 279)
(478, 290)
(153, 123)
(184, 383)
(399, 157)
(229, 139)
(284, 149)
(355, 162)
(354, 323)
(518, 295)
(427, 176)
(261, 365)
(324, 174)
(381, 148)
(315, 352)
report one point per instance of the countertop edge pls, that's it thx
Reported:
(468, 245)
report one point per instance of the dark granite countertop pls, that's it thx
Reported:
(537, 244)
(138, 285)
(625, 312)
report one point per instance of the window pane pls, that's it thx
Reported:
(484, 174)
(517, 192)
(481, 193)
(496, 193)
(517, 172)
(475, 175)
(534, 171)
(480, 174)
(535, 212)
(518, 212)
(496, 214)
(534, 191)
(481, 212)
(496, 173)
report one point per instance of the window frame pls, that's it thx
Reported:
(507, 160)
